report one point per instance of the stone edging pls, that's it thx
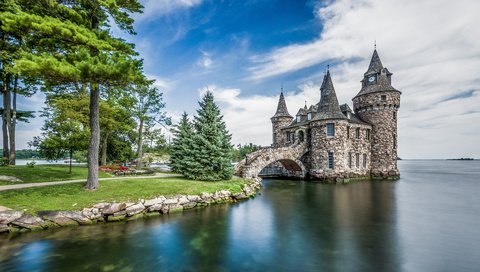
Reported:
(17, 221)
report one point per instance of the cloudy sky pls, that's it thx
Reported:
(245, 50)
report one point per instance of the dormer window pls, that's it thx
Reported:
(309, 116)
(298, 118)
(371, 79)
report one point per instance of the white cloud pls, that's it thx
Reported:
(206, 60)
(158, 8)
(431, 46)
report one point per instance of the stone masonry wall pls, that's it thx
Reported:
(382, 115)
(279, 138)
(340, 145)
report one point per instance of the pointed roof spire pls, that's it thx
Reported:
(375, 63)
(328, 107)
(282, 107)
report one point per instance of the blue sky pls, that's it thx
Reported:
(244, 50)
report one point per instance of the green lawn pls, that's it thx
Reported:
(75, 197)
(44, 173)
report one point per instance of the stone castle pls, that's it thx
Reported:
(341, 143)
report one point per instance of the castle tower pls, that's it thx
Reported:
(377, 103)
(328, 134)
(280, 120)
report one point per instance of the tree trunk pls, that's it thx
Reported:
(71, 155)
(94, 144)
(139, 147)
(6, 118)
(103, 157)
(13, 123)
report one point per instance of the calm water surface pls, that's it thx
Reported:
(427, 221)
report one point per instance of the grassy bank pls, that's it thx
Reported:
(44, 173)
(75, 197)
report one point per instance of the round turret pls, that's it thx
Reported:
(377, 103)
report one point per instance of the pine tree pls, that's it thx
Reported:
(212, 149)
(182, 145)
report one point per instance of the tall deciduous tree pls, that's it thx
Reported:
(70, 42)
(148, 111)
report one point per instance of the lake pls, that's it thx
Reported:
(429, 220)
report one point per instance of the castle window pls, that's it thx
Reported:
(330, 129)
(357, 133)
(357, 160)
(301, 137)
(368, 134)
(395, 116)
(309, 116)
(383, 97)
(348, 132)
(274, 138)
(289, 137)
(298, 118)
(330, 160)
(350, 159)
(364, 160)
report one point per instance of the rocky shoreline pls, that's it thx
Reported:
(17, 221)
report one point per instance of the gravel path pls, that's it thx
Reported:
(29, 185)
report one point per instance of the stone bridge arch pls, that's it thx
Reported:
(289, 157)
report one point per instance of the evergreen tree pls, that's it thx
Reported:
(182, 146)
(212, 149)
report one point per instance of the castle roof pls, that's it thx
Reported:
(282, 108)
(302, 111)
(328, 107)
(383, 77)
(375, 64)
(352, 117)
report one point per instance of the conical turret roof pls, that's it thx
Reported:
(381, 76)
(328, 107)
(282, 108)
(375, 64)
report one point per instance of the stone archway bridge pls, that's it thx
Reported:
(289, 157)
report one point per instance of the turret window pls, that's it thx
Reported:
(348, 132)
(330, 160)
(330, 129)
(383, 97)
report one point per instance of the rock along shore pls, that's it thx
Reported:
(17, 221)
